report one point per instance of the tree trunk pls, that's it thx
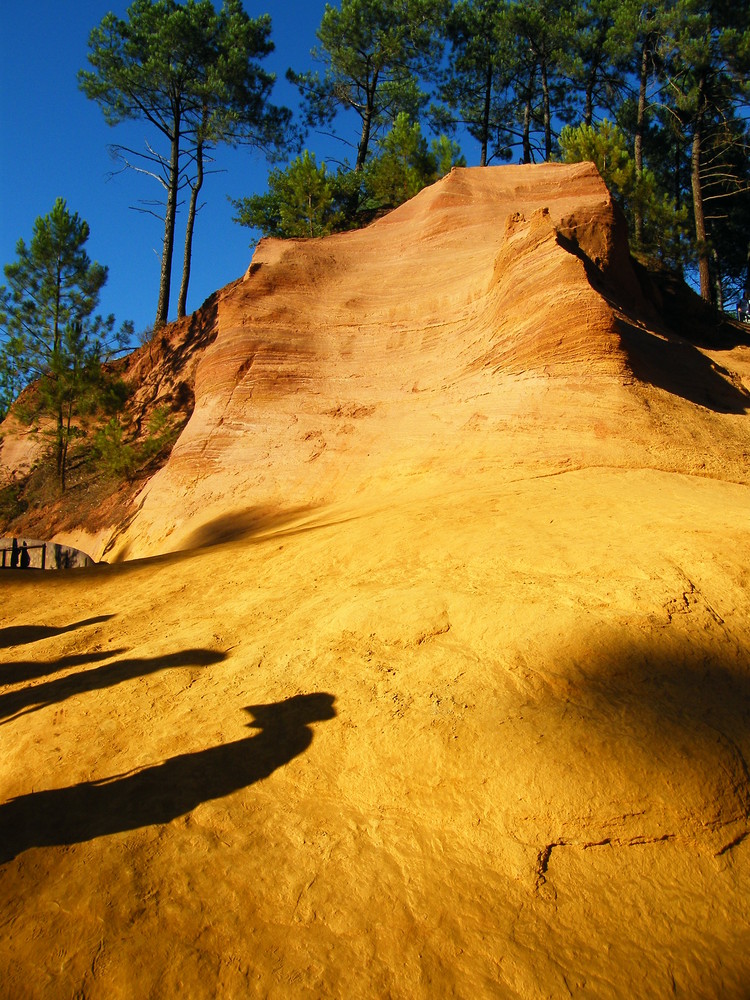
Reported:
(58, 295)
(718, 291)
(162, 309)
(593, 78)
(486, 116)
(704, 261)
(546, 114)
(64, 449)
(364, 139)
(367, 117)
(640, 126)
(640, 123)
(704, 265)
(527, 131)
(192, 209)
(54, 358)
(59, 448)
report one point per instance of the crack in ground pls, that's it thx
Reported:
(544, 856)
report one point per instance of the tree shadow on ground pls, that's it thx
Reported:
(30, 670)
(690, 686)
(236, 526)
(243, 524)
(20, 635)
(659, 737)
(161, 793)
(31, 699)
(254, 524)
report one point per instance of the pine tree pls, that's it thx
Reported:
(662, 224)
(541, 30)
(476, 83)
(406, 163)
(300, 202)
(373, 52)
(193, 75)
(49, 332)
(590, 60)
(707, 63)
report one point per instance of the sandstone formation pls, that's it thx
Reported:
(422, 667)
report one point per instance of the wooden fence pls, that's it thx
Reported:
(9, 552)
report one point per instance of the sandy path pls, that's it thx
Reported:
(532, 777)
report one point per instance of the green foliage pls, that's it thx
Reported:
(594, 59)
(193, 74)
(9, 383)
(12, 504)
(160, 434)
(675, 77)
(607, 147)
(122, 458)
(405, 163)
(704, 56)
(538, 32)
(301, 201)
(372, 52)
(446, 154)
(665, 231)
(475, 84)
(110, 397)
(305, 201)
(49, 333)
(111, 450)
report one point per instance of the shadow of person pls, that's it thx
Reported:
(165, 791)
(20, 635)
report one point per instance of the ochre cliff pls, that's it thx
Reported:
(334, 361)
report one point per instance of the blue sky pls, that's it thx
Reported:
(54, 144)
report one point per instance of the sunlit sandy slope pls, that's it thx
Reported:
(431, 675)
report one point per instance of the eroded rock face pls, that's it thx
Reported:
(333, 361)
(327, 344)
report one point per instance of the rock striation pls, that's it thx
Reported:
(332, 357)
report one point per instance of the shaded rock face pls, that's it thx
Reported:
(440, 683)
